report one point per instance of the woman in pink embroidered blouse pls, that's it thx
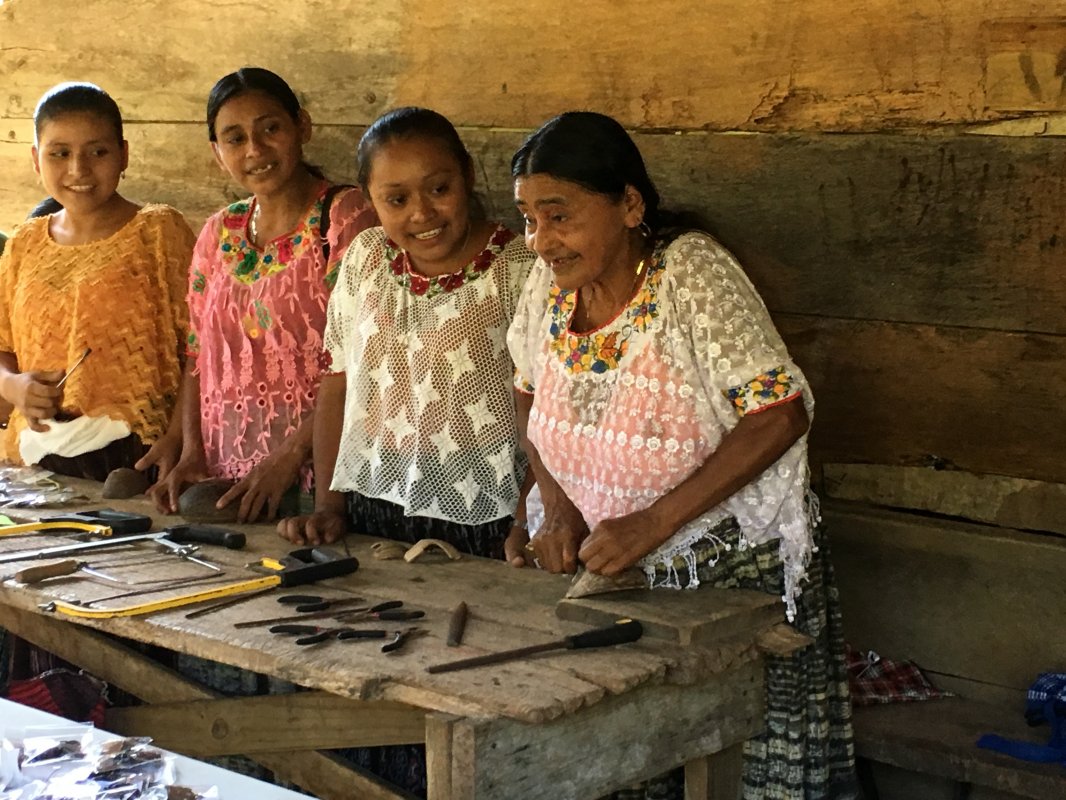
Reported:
(259, 284)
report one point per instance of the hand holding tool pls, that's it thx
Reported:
(625, 630)
(457, 625)
(73, 367)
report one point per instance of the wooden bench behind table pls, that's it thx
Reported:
(572, 725)
(980, 609)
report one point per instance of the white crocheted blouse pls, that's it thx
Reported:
(624, 413)
(429, 419)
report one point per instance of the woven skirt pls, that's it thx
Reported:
(806, 751)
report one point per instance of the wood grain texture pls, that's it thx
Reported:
(958, 599)
(782, 64)
(249, 725)
(937, 738)
(490, 758)
(951, 230)
(1009, 502)
(924, 395)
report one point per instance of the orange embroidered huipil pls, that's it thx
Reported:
(123, 296)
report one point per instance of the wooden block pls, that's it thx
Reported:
(996, 499)
(699, 618)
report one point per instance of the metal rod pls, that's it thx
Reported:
(76, 364)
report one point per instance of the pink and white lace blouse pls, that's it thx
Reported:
(429, 419)
(624, 413)
(256, 321)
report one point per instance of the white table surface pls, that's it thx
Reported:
(15, 717)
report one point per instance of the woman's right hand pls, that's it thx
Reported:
(166, 491)
(164, 455)
(321, 527)
(35, 395)
(557, 542)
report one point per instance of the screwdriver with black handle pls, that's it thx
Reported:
(622, 632)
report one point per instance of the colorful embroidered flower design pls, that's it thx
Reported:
(247, 263)
(603, 350)
(419, 285)
(199, 282)
(764, 389)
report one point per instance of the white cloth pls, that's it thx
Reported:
(429, 419)
(623, 414)
(70, 438)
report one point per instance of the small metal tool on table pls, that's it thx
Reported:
(389, 610)
(623, 631)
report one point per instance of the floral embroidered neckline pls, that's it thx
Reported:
(602, 349)
(422, 286)
(246, 262)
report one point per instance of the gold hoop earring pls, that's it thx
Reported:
(645, 229)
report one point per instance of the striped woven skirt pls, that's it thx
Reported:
(806, 750)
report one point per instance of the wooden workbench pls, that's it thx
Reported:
(565, 725)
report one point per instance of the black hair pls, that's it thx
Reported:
(47, 206)
(593, 151)
(68, 98)
(253, 79)
(409, 122)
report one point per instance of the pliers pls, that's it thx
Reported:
(401, 638)
(315, 634)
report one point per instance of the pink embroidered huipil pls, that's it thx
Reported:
(256, 323)
(624, 413)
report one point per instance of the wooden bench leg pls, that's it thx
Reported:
(716, 777)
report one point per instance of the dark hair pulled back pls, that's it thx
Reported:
(409, 122)
(253, 79)
(69, 98)
(593, 151)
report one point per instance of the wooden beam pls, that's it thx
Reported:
(995, 499)
(248, 725)
(782, 64)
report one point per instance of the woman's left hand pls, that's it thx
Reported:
(262, 488)
(616, 544)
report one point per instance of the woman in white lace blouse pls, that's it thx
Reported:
(667, 426)
(416, 422)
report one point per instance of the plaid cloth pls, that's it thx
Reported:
(75, 695)
(876, 680)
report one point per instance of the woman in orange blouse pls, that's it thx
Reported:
(101, 274)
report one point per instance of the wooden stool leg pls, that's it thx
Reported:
(715, 777)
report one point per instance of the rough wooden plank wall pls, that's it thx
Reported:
(915, 269)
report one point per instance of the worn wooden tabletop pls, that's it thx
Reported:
(691, 637)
